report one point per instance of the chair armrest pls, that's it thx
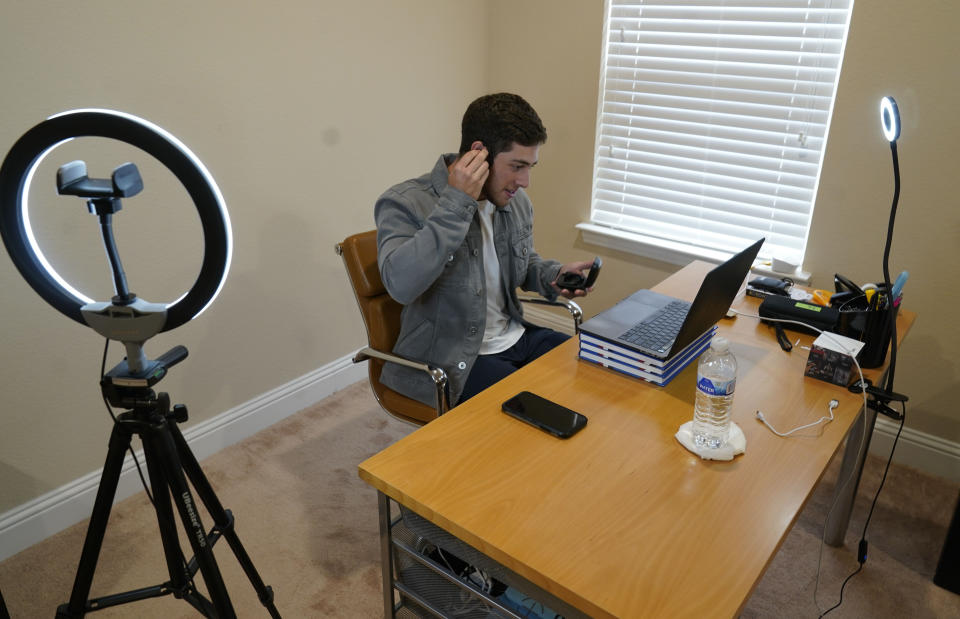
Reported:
(575, 312)
(438, 376)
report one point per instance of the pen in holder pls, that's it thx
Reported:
(869, 320)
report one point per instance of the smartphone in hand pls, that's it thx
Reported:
(549, 416)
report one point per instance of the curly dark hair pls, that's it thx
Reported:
(500, 120)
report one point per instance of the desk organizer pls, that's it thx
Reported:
(871, 326)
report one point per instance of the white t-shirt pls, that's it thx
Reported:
(501, 330)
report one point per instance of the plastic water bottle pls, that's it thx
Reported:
(716, 380)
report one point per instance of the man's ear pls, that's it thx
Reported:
(477, 145)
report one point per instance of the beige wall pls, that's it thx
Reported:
(305, 112)
(552, 55)
(906, 50)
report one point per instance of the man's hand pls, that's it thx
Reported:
(469, 172)
(579, 267)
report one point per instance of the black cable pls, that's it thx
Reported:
(891, 311)
(903, 416)
(106, 402)
(103, 372)
(136, 461)
(862, 546)
(824, 613)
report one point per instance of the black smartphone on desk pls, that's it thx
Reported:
(549, 416)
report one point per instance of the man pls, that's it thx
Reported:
(453, 247)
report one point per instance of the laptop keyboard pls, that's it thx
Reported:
(659, 330)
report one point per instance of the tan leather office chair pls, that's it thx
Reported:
(381, 317)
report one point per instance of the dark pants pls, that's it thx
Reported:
(489, 369)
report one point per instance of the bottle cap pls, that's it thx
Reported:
(720, 344)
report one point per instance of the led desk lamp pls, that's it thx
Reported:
(890, 121)
(881, 396)
(132, 321)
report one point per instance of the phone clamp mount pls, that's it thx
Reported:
(879, 399)
(128, 319)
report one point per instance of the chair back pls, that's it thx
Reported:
(381, 317)
(381, 314)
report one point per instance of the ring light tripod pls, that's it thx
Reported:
(131, 320)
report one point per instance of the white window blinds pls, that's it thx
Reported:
(713, 119)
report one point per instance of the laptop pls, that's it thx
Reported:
(660, 326)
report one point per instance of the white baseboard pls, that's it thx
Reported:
(925, 452)
(54, 511)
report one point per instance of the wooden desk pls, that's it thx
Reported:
(621, 520)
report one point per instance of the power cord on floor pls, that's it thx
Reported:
(863, 545)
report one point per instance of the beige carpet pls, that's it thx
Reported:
(310, 527)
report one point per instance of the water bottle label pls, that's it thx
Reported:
(720, 387)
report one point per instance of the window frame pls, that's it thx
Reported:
(673, 250)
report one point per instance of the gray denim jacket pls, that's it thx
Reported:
(430, 253)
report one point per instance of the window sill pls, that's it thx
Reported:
(671, 252)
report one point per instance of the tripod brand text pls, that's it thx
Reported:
(188, 503)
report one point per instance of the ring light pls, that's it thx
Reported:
(16, 176)
(132, 320)
(890, 119)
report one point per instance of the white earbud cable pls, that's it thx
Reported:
(826, 418)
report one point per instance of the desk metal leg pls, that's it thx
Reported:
(844, 494)
(386, 555)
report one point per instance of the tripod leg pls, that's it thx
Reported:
(119, 443)
(223, 519)
(166, 449)
(181, 579)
